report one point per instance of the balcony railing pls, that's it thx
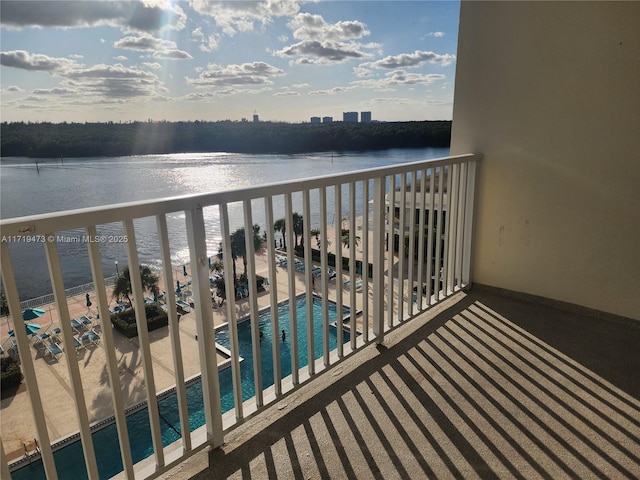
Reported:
(393, 285)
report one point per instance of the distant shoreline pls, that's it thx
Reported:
(77, 140)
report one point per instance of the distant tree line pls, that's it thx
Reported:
(55, 140)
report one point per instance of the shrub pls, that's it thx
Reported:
(125, 322)
(11, 373)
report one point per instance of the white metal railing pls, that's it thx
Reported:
(69, 292)
(435, 253)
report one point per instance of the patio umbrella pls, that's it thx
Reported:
(155, 294)
(32, 313)
(184, 269)
(88, 301)
(32, 329)
(178, 289)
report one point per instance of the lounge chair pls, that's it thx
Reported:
(77, 344)
(85, 340)
(358, 283)
(184, 306)
(86, 321)
(90, 337)
(55, 333)
(54, 350)
(77, 325)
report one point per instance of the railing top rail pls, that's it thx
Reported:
(43, 224)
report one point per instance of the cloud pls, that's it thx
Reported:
(414, 59)
(154, 65)
(256, 73)
(306, 26)
(161, 48)
(34, 62)
(113, 81)
(315, 52)
(234, 16)
(435, 34)
(399, 77)
(109, 71)
(54, 91)
(288, 93)
(207, 43)
(362, 72)
(323, 43)
(144, 16)
(331, 91)
(14, 89)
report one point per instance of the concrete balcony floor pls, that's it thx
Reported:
(484, 386)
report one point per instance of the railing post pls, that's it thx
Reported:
(253, 301)
(110, 354)
(378, 258)
(468, 224)
(230, 297)
(204, 325)
(28, 369)
(143, 342)
(174, 330)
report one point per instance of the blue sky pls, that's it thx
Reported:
(285, 60)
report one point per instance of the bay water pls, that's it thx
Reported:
(55, 185)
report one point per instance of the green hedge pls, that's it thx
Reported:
(11, 373)
(125, 322)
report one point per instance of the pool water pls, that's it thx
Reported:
(69, 460)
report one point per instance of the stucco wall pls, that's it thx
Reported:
(549, 92)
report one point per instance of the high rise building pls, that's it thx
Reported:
(365, 117)
(350, 117)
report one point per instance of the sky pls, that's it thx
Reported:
(283, 60)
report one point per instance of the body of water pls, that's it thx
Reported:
(67, 184)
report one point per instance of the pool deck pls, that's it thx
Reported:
(53, 378)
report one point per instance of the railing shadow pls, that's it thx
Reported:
(470, 393)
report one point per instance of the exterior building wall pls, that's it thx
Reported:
(549, 93)
(365, 117)
(327, 119)
(350, 117)
(315, 120)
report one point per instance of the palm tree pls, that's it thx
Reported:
(346, 237)
(238, 247)
(315, 232)
(216, 266)
(298, 225)
(122, 286)
(234, 254)
(280, 225)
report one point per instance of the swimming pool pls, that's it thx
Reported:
(69, 459)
